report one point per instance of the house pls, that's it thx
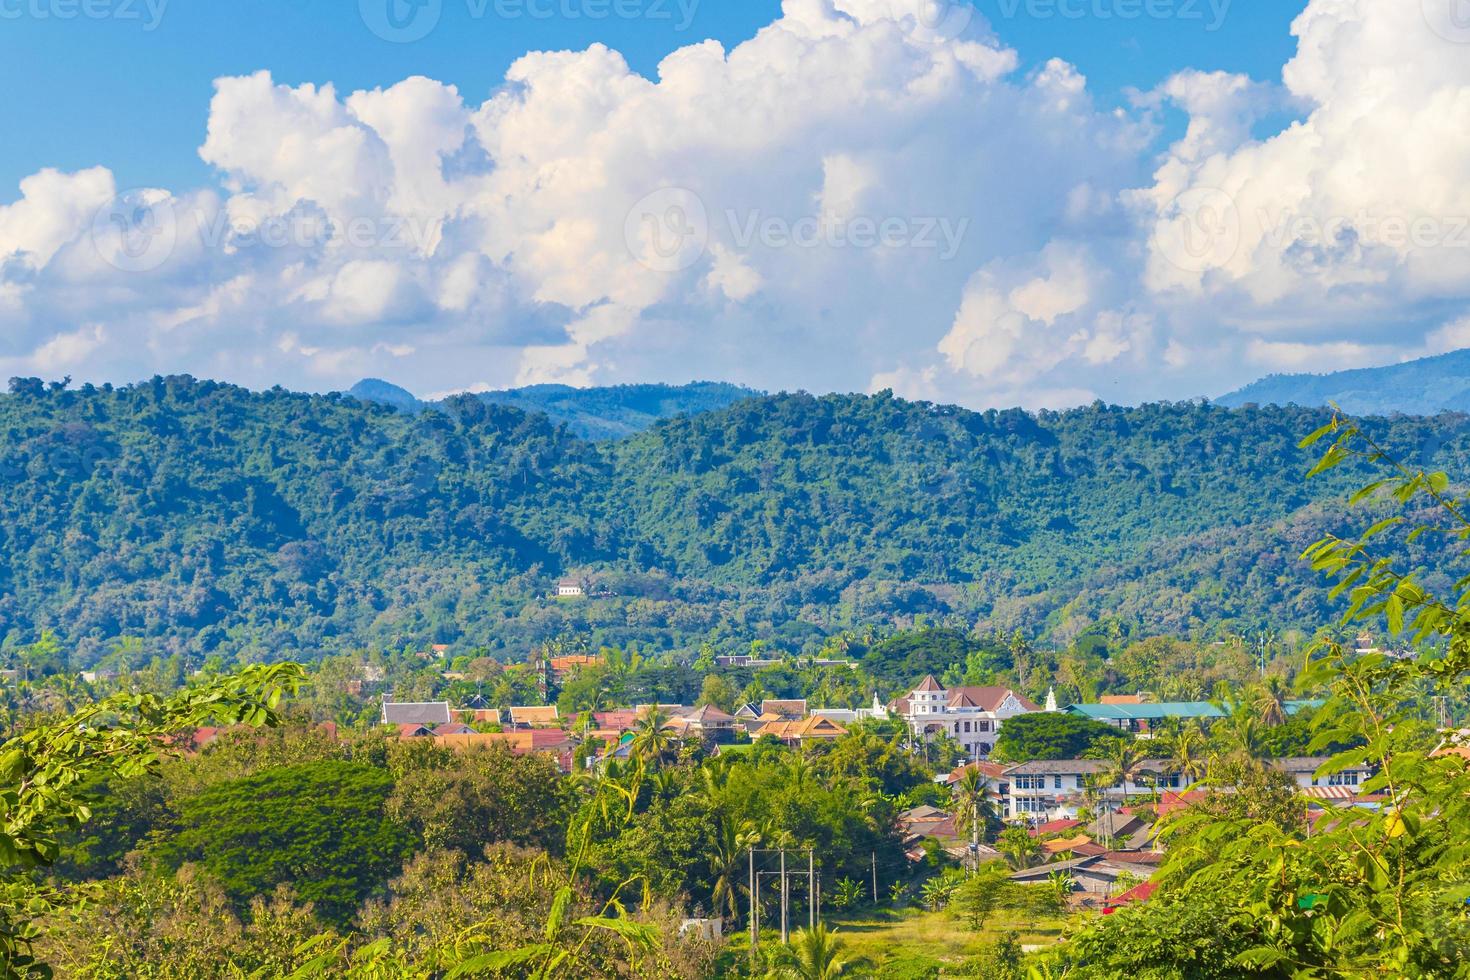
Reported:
(560, 668)
(789, 710)
(1303, 769)
(972, 716)
(535, 717)
(806, 730)
(453, 728)
(1055, 827)
(570, 588)
(554, 743)
(410, 730)
(847, 716)
(416, 713)
(483, 716)
(1092, 874)
(1139, 893)
(1058, 790)
(707, 720)
(993, 772)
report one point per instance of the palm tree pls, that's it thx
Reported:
(729, 847)
(1018, 847)
(1242, 729)
(1269, 700)
(652, 741)
(1122, 765)
(816, 956)
(1188, 749)
(972, 804)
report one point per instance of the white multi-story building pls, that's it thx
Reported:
(972, 716)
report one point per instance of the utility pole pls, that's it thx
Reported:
(875, 877)
(811, 889)
(755, 935)
(784, 936)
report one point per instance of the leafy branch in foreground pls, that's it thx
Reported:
(1373, 890)
(43, 772)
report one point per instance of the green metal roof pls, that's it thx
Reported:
(1165, 709)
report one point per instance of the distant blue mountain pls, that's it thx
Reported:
(593, 413)
(1427, 386)
(375, 390)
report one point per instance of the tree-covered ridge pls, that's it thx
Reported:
(592, 413)
(1424, 386)
(277, 523)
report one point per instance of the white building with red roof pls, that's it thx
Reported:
(972, 716)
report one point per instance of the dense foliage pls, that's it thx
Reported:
(274, 524)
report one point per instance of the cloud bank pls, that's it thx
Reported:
(853, 199)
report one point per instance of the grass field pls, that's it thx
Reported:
(879, 939)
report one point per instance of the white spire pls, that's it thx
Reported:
(1051, 699)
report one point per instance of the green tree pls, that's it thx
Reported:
(1048, 736)
(1018, 847)
(320, 828)
(47, 771)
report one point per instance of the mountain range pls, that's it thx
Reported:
(206, 518)
(1426, 386)
(592, 413)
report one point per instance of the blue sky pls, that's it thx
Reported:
(1040, 203)
(131, 91)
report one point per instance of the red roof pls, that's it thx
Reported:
(1142, 893)
(1055, 827)
(929, 685)
(990, 770)
(1170, 803)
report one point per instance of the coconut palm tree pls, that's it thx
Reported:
(1188, 751)
(816, 956)
(729, 848)
(971, 804)
(1018, 847)
(1122, 764)
(652, 741)
(1269, 700)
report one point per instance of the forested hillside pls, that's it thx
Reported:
(593, 413)
(1420, 387)
(207, 517)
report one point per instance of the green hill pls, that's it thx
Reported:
(206, 517)
(592, 413)
(1422, 387)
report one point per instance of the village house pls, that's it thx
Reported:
(416, 713)
(1342, 785)
(1057, 790)
(535, 716)
(806, 730)
(848, 716)
(972, 716)
(570, 588)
